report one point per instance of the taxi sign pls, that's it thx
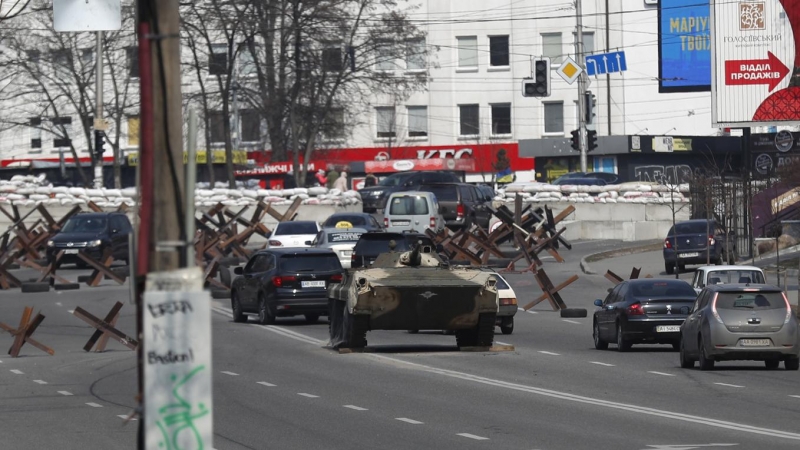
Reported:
(344, 224)
(569, 70)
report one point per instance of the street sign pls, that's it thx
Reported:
(86, 15)
(603, 63)
(752, 57)
(569, 70)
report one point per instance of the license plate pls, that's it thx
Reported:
(689, 255)
(668, 328)
(754, 342)
(71, 252)
(400, 222)
(313, 284)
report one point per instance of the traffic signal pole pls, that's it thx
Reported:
(580, 54)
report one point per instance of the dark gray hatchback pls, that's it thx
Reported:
(696, 242)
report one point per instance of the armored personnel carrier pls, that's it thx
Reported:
(413, 290)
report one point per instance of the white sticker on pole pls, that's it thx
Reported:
(178, 400)
(86, 15)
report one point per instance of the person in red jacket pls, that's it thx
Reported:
(321, 178)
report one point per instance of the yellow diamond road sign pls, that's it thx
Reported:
(569, 70)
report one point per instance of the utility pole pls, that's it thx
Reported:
(579, 54)
(99, 123)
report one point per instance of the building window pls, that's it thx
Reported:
(415, 54)
(385, 121)
(333, 125)
(251, 126)
(61, 57)
(63, 129)
(417, 121)
(501, 119)
(332, 59)
(247, 64)
(551, 46)
(498, 51)
(554, 117)
(467, 51)
(87, 58)
(216, 127)
(36, 131)
(469, 120)
(385, 58)
(588, 42)
(218, 60)
(133, 131)
(34, 56)
(133, 61)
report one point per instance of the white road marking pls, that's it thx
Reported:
(123, 417)
(58, 303)
(686, 446)
(18, 372)
(275, 329)
(95, 405)
(729, 385)
(357, 408)
(531, 312)
(40, 381)
(71, 311)
(602, 363)
(795, 396)
(660, 373)
(472, 436)
(549, 353)
(264, 383)
(65, 392)
(307, 395)
(571, 321)
(501, 343)
(407, 420)
(233, 374)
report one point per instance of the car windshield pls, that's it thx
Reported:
(353, 220)
(85, 225)
(750, 300)
(285, 228)
(442, 193)
(692, 228)
(377, 246)
(310, 263)
(395, 180)
(735, 276)
(409, 205)
(662, 289)
(344, 236)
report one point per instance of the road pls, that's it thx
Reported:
(278, 387)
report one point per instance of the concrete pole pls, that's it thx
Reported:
(579, 54)
(191, 180)
(99, 125)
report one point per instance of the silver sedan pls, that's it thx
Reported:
(339, 240)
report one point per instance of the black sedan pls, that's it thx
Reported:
(642, 311)
(285, 282)
(352, 220)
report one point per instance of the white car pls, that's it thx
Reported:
(709, 275)
(340, 241)
(506, 305)
(293, 234)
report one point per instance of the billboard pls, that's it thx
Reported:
(754, 59)
(684, 46)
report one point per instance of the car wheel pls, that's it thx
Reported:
(312, 318)
(507, 327)
(265, 315)
(705, 362)
(623, 345)
(669, 268)
(772, 364)
(599, 343)
(236, 307)
(686, 362)
(792, 364)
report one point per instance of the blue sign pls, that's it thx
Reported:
(684, 46)
(603, 63)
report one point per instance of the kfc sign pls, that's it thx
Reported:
(444, 153)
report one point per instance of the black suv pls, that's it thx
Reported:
(372, 244)
(460, 204)
(374, 198)
(91, 233)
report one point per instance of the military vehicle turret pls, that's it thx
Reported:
(413, 290)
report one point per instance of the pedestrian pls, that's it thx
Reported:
(332, 176)
(341, 182)
(321, 179)
(370, 180)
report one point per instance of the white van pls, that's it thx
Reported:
(412, 211)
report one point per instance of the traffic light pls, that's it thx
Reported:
(576, 139)
(99, 140)
(589, 104)
(591, 140)
(539, 85)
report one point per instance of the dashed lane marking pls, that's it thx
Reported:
(233, 374)
(501, 343)
(531, 312)
(602, 363)
(660, 373)
(95, 405)
(71, 311)
(307, 395)
(571, 321)
(549, 353)
(124, 417)
(58, 303)
(472, 436)
(65, 392)
(729, 385)
(795, 396)
(407, 420)
(264, 383)
(18, 372)
(357, 408)
(40, 381)
(275, 329)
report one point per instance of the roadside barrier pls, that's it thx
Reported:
(22, 334)
(105, 329)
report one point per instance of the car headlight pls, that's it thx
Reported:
(95, 243)
(50, 243)
(377, 193)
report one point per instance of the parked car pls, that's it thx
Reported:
(375, 198)
(487, 193)
(293, 234)
(340, 241)
(711, 275)
(730, 322)
(579, 178)
(352, 220)
(642, 311)
(694, 242)
(372, 244)
(608, 177)
(413, 211)
(285, 282)
(507, 304)
(91, 233)
(460, 204)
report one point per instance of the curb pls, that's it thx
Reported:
(641, 248)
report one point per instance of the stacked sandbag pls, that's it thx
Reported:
(632, 192)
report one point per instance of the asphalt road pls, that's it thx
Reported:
(278, 387)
